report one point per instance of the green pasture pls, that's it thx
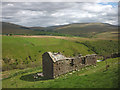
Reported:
(88, 77)
(23, 52)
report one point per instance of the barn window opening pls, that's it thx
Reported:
(72, 63)
(59, 68)
(83, 61)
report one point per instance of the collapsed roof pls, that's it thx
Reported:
(57, 56)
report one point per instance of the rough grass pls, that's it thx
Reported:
(88, 77)
(85, 30)
(108, 35)
(25, 52)
(102, 47)
(16, 51)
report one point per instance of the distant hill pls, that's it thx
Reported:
(10, 28)
(85, 29)
(76, 29)
(14, 29)
(38, 28)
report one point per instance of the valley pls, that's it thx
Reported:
(22, 58)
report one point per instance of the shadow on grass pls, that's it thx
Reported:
(30, 78)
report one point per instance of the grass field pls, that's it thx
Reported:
(24, 52)
(102, 47)
(110, 35)
(19, 50)
(88, 77)
(22, 58)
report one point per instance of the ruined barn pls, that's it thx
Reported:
(55, 64)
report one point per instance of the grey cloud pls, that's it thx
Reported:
(49, 14)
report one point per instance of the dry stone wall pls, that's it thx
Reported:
(53, 68)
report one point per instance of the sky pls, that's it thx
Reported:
(44, 14)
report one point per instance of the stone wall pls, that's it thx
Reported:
(52, 68)
(63, 66)
(47, 65)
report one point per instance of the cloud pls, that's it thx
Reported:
(60, 1)
(54, 13)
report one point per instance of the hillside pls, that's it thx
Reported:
(14, 29)
(85, 29)
(22, 58)
(88, 77)
(75, 29)
(20, 52)
(38, 28)
(25, 52)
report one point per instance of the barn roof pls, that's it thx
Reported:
(57, 56)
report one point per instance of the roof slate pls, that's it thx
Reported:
(57, 56)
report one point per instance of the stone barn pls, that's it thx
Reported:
(55, 64)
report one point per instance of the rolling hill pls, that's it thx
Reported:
(13, 28)
(23, 52)
(85, 29)
(10, 28)
(22, 55)
(75, 29)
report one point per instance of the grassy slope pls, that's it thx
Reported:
(77, 29)
(85, 30)
(27, 52)
(102, 47)
(22, 50)
(109, 35)
(10, 28)
(14, 28)
(89, 77)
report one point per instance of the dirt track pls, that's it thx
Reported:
(63, 37)
(44, 37)
(58, 37)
